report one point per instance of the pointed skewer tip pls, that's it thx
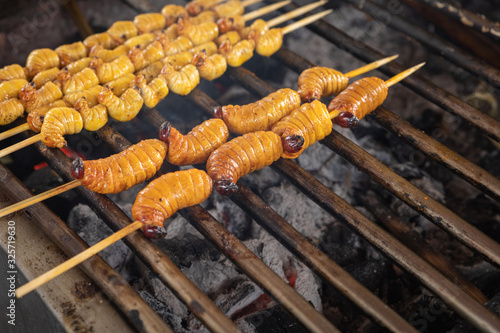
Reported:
(396, 78)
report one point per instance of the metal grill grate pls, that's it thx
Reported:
(456, 298)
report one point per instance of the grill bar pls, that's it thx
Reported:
(298, 245)
(466, 17)
(488, 125)
(412, 239)
(256, 269)
(451, 294)
(414, 197)
(397, 185)
(439, 45)
(475, 175)
(319, 261)
(111, 283)
(246, 260)
(151, 255)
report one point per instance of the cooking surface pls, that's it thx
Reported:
(334, 163)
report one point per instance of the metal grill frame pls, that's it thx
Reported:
(203, 308)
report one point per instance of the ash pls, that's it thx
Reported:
(231, 290)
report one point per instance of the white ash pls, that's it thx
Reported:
(92, 230)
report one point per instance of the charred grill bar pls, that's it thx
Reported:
(201, 305)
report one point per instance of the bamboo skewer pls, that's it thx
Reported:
(294, 13)
(264, 10)
(305, 21)
(67, 265)
(371, 66)
(247, 3)
(19, 145)
(389, 82)
(14, 131)
(40, 197)
(398, 77)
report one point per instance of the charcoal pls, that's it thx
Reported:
(92, 230)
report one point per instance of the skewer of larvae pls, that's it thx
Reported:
(140, 162)
(40, 60)
(112, 174)
(128, 105)
(160, 199)
(79, 77)
(288, 138)
(263, 114)
(312, 122)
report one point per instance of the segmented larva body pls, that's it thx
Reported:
(141, 40)
(198, 33)
(142, 58)
(152, 71)
(69, 53)
(269, 42)
(153, 92)
(183, 81)
(10, 110)
(167, 194)
(197, 6)
(317, 82)
(232, 36)
(212, 67)
(171, 32)
(229, 23)
(90, 96)
(203, 17)
(172, 13)
(110, 71)
(83, 80)
(33, 98)
(230, 8)
(236, 55)
(311, 121)
(178, 45)
(79, 65)
(35, 117)
(120, 85)
(240, 156)
(102, 38)
(357, 100)
(11, 89)
(59, 122)
(260, 115)
(149, 22)
(108, 55)
(93, 117)
(45, 76)
(40, 60)
(120, 31)
(121, 171)
(178, 60)
(12, 72)
(257, 28)
(196, 146)
(123, 108)
(209, 47)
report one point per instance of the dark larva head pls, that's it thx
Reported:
(77, 170)
(293, 144)
(218, 112)
(346, 119)
(225, 187)
(164, 132)
(153, 231)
